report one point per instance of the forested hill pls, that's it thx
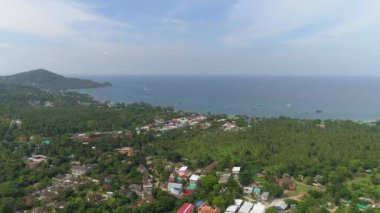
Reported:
(18, 96)
(44, 79)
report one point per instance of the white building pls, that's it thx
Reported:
(239, 202)
(264, 196)
(183, 171)
(246, 207)
(232, 209)
(194, 179)
(235, 170)
(281, 205)
(258, 208)
(175, 189)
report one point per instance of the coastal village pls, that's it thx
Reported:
(189, 106)
(180, 181)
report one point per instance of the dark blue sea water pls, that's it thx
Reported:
(356, 98)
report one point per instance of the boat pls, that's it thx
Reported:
(318, 111)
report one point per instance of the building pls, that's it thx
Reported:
(35, 161)
(45, 142)
(38, 158)
(228, 126)
(246, 207)
(232, 209)
(236, 170)
(86, 138)
(281, 205)
(183, 171)
(258, 208)
(126, 151)
(238, 202)
(191, 187)
(210, 168)
(175, 189)
(224, 178)
(78, 170)
(248, 190)
(200, 203)
(264, 196)
(194, 179)
(186, 208)
(257, 191)
(208, 209)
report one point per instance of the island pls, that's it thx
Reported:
(44, 79)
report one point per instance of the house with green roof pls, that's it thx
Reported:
(45, 142)
(257, 191)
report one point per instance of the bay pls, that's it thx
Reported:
(355, 98)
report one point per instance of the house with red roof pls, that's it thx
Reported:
(186, 208)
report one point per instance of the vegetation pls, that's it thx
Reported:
(44, 79)
(342, 157)
(287, 146)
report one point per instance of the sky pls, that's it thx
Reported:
(191, 37)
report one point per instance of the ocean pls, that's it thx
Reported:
(354, 98)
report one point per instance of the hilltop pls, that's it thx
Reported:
(45, 79)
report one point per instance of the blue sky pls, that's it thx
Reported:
(191, 37)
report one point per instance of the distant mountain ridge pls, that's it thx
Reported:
(45, 79)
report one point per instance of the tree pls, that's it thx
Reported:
(208, 182)
(220, 202)
(7, 204)
(245, 177)
(273, 189)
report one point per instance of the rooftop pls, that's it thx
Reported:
(281, 205)
(194, 177)
(183, 168)
(175, 185)
(236, 169)
(246, 207)
(258, 208)
(232, 209)
(186, 208)
(238, 202)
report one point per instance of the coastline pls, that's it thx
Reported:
(241, 96)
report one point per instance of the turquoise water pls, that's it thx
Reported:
(356, 98)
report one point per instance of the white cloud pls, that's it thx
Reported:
(101, 58)
(307, 21)
(55, 19)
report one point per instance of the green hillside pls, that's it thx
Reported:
(44, 79)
